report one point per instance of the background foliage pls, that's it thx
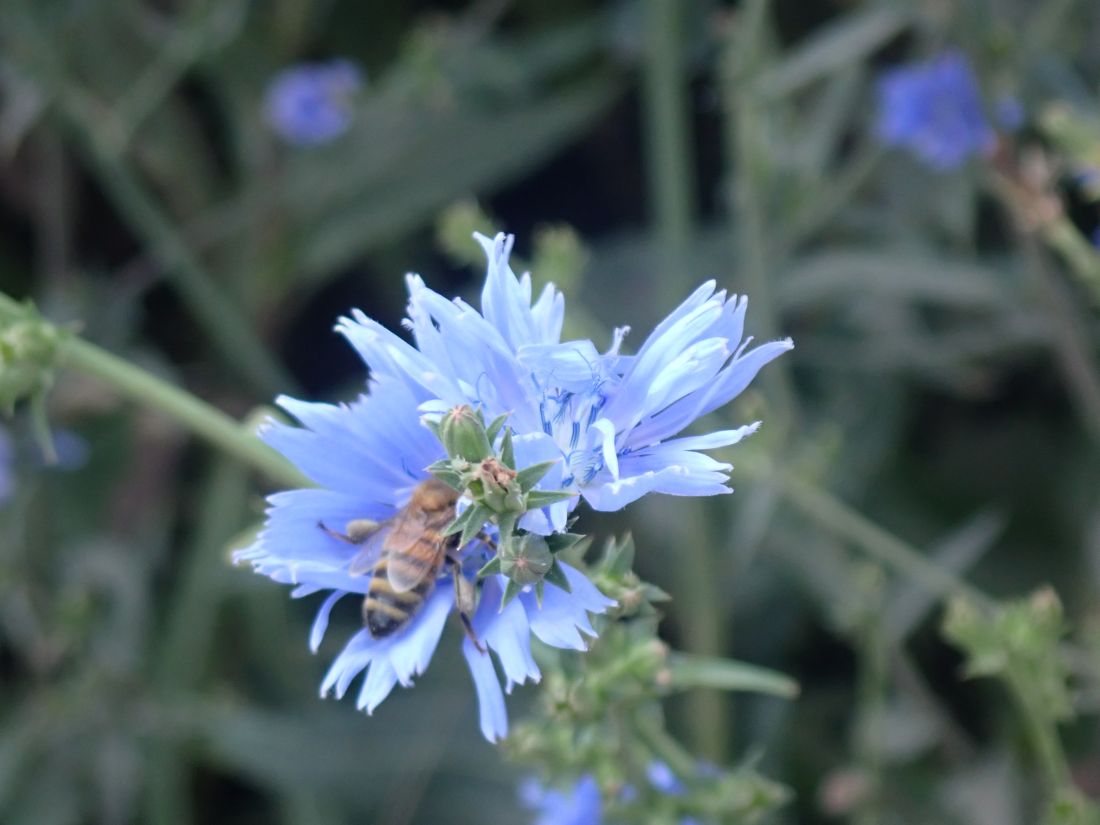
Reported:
(944, 396)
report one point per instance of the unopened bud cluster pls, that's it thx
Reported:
(499, 494)
(28, 356)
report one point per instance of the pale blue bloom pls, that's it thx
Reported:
(366, 458)
(662, 779)
(311, 103)
(935, 109)
(607, 418)
(579, 806)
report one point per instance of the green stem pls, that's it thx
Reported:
(192, 613)
(671, 178)
(1072, 347)
(843, 521)
(211, 424)
(671, 189)
(650, 729)
(1041, 731)
(747, 158)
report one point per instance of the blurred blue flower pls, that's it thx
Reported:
(311, 103)
(579, 806)
(662, 779)
(935, 109)
(606, 417)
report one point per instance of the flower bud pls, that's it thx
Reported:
(28, 352)
(463, 434)
(498, 487)
(525, 559)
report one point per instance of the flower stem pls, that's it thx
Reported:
(671, 179)
(671, 185)
(1041, 731)
(840, 519)
(205, 421)
(651, 731)
(748, 169)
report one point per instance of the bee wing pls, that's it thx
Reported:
(414, 551)
(370, 551)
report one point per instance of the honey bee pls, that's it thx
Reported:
(404, 556)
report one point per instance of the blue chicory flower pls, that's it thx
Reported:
(580, 806)
(310, 104)
(609, 419)
(935, 109)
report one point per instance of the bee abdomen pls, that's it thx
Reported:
(385, 610)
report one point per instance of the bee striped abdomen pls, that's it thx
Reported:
(386, 610)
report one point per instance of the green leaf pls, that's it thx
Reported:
(528, 477)
(460, 522)
(557, 542)
(445, 472)
(424, 156)
(543, 498)
(556, 576)
(432, 425)
(692, 671)
(493, 429)
(834, 47)
(619, 556)
(476, 523)
(507, 452)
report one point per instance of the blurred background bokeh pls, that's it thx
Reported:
(170, 191)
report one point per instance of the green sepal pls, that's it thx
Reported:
(506, 525)
(544, 498)
(493, 430)
(432, 425)
(444, 470)
(475, 524)
(507, 451)
(539, 588)
(511, 590)
(652, 593)
(619, 556)
(474, 515)
(557, 542)
(491, 568)
(556, 576)
(530, 476)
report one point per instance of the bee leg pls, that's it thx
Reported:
(338, 536)
(487, 540)
(465, 600)
(358, 531)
